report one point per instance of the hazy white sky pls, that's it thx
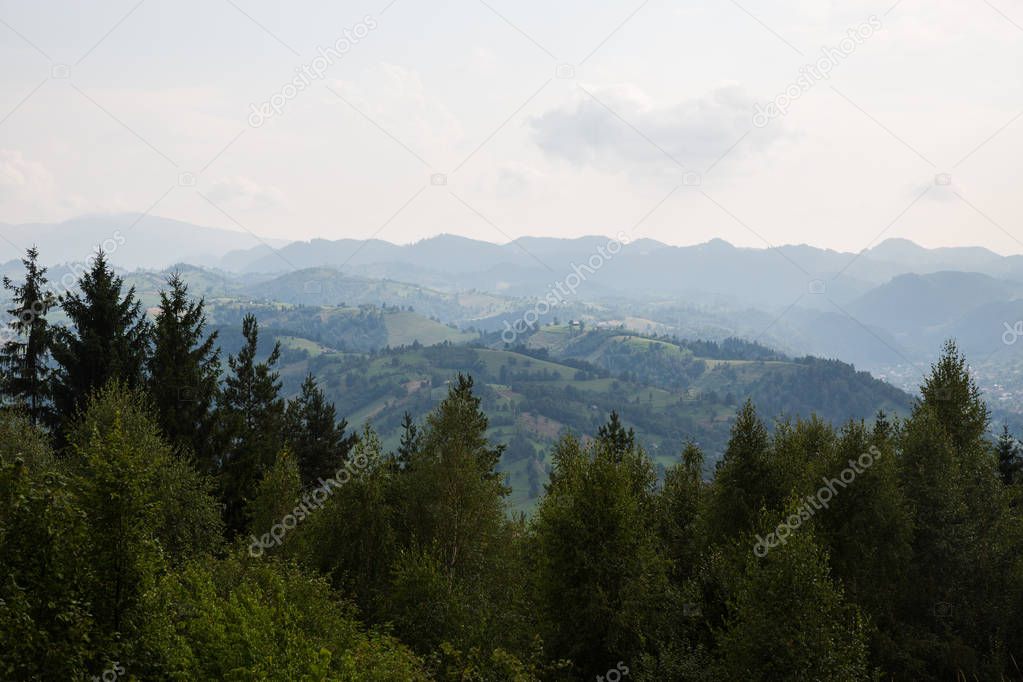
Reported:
(557, 119)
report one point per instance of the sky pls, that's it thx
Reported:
(761, 122)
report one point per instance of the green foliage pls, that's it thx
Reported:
(184, 371)
(952, 394)
(867, 530)
(276, 496)
(190, 523)
(679, 504)
(600, 573)
(427, 547)
(352, 536)
(24, 356)
(108, 338)
(745, 481)
(235, 619)
(787, 620)
(409, 440)
(250, 416)
(960, 602)
(451, 527)
(317, 440)
(912, 568)
(117, 485)
(1010, 458)
(19, 438)
(45, 574)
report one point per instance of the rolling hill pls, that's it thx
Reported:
(533, 396)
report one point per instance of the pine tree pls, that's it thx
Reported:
(614, 435)
(1010, 457)
(458, 424)
(184, 370)
(452, 526)
(108, 338)
(601, 576)
(745, 481)
(316, 439)
(952, 394)
(23, 355)
(250, 417)
(410, 437)
(679, 503)
(953, 608)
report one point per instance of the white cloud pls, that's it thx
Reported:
(396, 98)
(517, 179)
(22, 179)
(246, 194)
(601, 130)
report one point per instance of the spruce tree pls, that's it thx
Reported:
(601, 574)
(954, 609)
(23, 355)
(250, 417)
(680, 501)
(615, 436)
(107, 338)
(316, 439)
(184, 370)
(745, 480)
(1010, 458)
(952, 394)
(452, 526)
(410, 437)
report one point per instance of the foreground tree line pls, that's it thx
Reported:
(163, 517)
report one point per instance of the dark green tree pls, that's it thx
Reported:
(680, 501)
(788, 620)
(46, 623)
(250, 417)
(745, 480)
(24, 353)
(454, 578)
(317, 441)
(615, 436)
(1010, 457)
(107, 338)
(184, 371)
(600, 573)
(409, 440)
(952, 394)
(239, 619)
(966, 548)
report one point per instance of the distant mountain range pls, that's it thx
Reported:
(891, 304)
(133, 240)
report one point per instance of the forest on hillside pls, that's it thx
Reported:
(167, 514)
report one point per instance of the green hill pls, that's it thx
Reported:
(531, 400)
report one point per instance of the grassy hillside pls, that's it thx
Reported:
(361, 330)
(533, 400)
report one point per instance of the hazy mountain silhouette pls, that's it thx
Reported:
(133, 240)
